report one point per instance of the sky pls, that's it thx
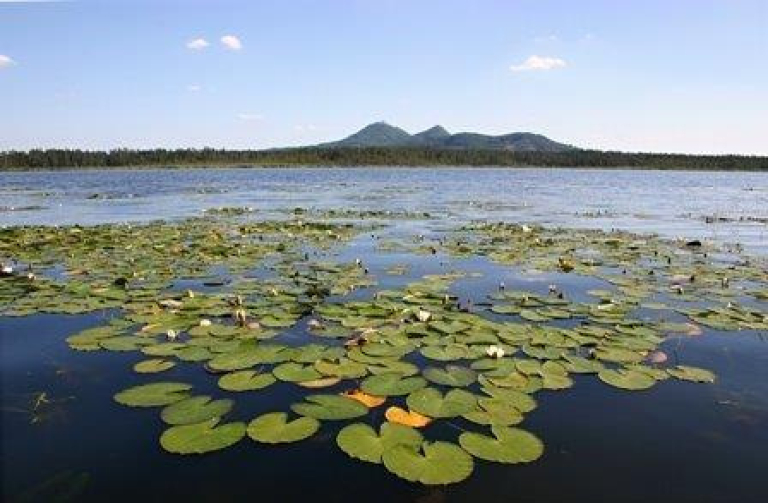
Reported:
(636, 75)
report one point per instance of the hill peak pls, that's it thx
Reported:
(382, 134)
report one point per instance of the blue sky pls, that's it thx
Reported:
(674, 75)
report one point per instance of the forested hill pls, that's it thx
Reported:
(373, 156)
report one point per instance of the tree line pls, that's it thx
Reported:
(378, 156)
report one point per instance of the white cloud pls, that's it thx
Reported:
(193, 88)
(538, 63)
(249, 116)
(301, 128)
(6, 61)
(197, 44)
(231, 42)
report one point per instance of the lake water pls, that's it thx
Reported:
(679, 443)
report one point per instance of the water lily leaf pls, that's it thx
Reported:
(248, 357)
(451, 375)
(360, 441)
(626, 379)
(406, 418)
(446, 353)
(432, 403)
(195, 409)
(329, 407)
(153, 366)
(508, 445)
(323, 382)
(153, 395)
(296, 372)
(274, 428)
(694, 374)
(495, 411)
(125, 343)
(519, 400)
(581, 365)
(201, 437)
(392, 384)
(344, 368)
(437, 463)
(618, 355)
(245, 380)
(194, 354)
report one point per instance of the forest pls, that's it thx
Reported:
(369, 156)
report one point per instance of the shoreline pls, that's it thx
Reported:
(234, 166)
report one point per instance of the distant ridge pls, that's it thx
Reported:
(381, 134)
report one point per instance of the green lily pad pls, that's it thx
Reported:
(203, 437)
(437, 463)
(626, 379)
(153, 366)
(330, 407)
(296, 372)
(360, 441)
(245, 380)
(343, 368)
(430, 402)
(392, 384)
(695, 374)
(508, 445)
(195, 409)
(451, 375)
(274, 428)
(153, 395)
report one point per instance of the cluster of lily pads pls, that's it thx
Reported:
(190, 293)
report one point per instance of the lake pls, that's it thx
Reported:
(677, 441)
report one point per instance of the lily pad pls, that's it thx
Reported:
(195, 409)
(245, 380)
(201, 437)
(508, 445)
(153, 395)
(695, 374)
(392, 384)
(330, 407)
(274, 428)
(437, 463)
(153, 366)
(451, 375)
(626, 379)
(432, 403)
(360, 441)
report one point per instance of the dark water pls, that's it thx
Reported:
(678, 442)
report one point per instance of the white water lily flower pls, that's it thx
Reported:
(526, 229)
(7, 270)
(495, 351)
(171, 334)
(423, 315)
(205, 323)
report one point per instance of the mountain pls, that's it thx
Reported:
(381, 134)
(378, 134)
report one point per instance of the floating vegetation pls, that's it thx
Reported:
(257, 305)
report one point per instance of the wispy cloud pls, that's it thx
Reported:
(231, 42)
(6, 61)
(547, 38)
(197, 44)
(193, 88)
(538, 63)
(247, 116)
